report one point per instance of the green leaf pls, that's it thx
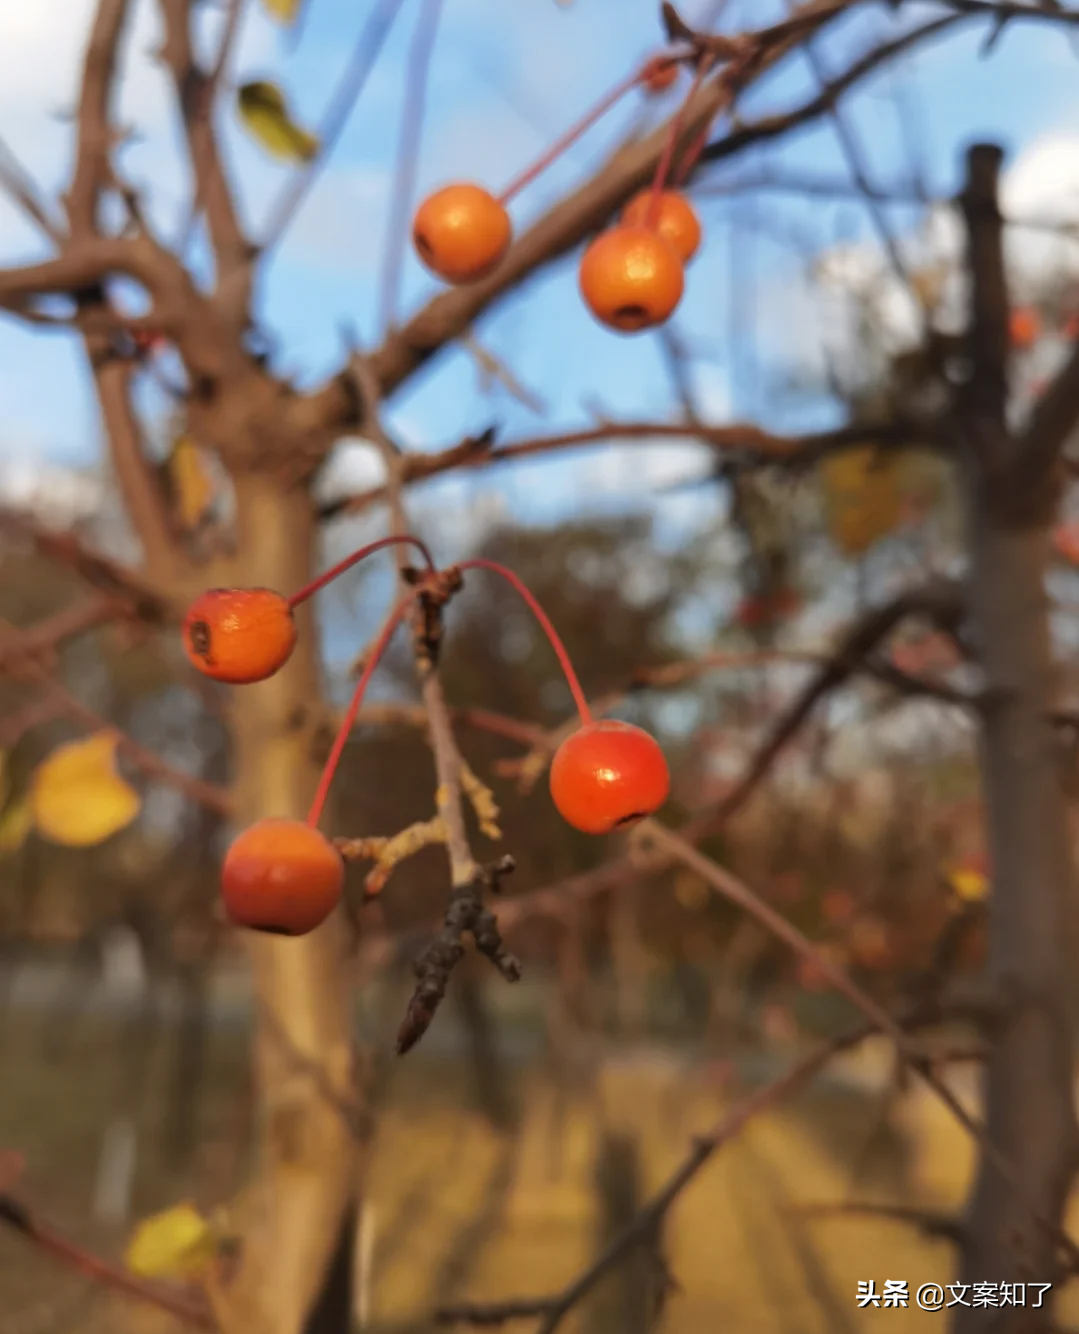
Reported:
(264, 111)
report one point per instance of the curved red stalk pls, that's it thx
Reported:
(349, 721)
(575, 131)
(309, 590)
(545, 624)
(663, 166)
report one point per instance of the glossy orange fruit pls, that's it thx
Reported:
(461, 232)
(631, 279)
(608, 775)
(676, 221)
(281, 876)
(239, 635)
(659, 75)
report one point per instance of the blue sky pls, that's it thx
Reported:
(505, 80)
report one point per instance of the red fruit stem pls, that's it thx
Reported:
(331, 574)
(552, 634)
(349, 721)
(663, 166)
(575, 131)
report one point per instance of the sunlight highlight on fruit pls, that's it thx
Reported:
(631, 279)
(608, 775)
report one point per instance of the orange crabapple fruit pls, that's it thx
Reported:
(461, 232)
(631, 278)
(608, 775)
(239, 635)
(281, 876)
(675, 221)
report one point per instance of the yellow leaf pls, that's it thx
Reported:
(176, 1243)
(191, 482)
(970, 884)
(15, 825)
(77, 796)
(264, 111)
(863, 497)
(284, 11)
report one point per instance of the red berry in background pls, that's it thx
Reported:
(608, 775)
(676, 221)
(659, 75)
(281, 876)
(1024, 327)
(239, 635)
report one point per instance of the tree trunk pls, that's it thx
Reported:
(304, 1196)
(1029, 1101)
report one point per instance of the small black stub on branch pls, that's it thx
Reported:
(466, 915)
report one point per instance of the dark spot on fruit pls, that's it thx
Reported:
(272, 930)
(424, 246)
(200, 639)
(627, 820)
(632, 316)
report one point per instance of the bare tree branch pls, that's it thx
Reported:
(23, 665)
(364, 57)
(18, 1216)
(752, 446)
(18, 184)
(194, 91)
(95, 133)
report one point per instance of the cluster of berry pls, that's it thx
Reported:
(283, 875)
(631, 276)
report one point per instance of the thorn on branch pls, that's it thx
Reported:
(704, 44)
(466, 915)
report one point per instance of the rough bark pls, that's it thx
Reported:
(304, 1052)
(1029, 1104)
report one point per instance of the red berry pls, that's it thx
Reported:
(461, 232)
(281, 876)
(608, 775)
(659, 75)
(675, 220)
(631, 278)
(239, 635)
(1025, 327)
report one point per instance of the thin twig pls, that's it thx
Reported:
(359, 69)
(21, 664)
(407, 165)
(17, 1216)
